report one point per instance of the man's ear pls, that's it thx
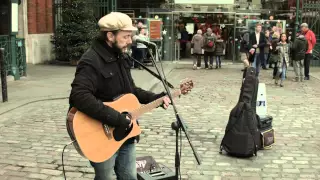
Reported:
(110, 36)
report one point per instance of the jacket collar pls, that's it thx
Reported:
(104, 51)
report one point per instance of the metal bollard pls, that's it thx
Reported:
(3, 76)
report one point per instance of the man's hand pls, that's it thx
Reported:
(166, 102)
(255, 46)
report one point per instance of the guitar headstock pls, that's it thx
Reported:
(186, 86)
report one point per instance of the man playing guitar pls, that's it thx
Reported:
(103, 73)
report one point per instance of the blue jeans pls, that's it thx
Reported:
(123, 162)
(283, 71)
(256, 63)
(218, 61)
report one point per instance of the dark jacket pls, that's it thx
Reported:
(274, 54)
(219, 47)
(101, 76)
(267, 46)
(244, 42)
(299, 48)
(206, 39)
(261, 44)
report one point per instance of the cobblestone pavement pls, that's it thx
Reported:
(32, 137)
(53, 81)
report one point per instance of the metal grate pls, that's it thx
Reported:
(311, 16)
(5, 42)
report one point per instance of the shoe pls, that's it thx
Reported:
(297, 79)
(220, 66)
(281, 83)
(276, 82)
(216, 67)
(242, 70)
(306, 78)
(211, 66)
(194, 67)
(198, 67)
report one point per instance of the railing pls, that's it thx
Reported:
(20, 50)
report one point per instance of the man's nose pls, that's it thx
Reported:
(130, 41)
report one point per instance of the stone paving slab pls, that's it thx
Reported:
(32, 137)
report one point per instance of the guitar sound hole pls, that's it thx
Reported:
(120, 133)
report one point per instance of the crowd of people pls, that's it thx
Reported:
(210, 45)
(259, 49)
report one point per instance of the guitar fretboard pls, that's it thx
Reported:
(152, 105)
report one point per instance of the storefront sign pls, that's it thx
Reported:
(204, 2)
(155, 29)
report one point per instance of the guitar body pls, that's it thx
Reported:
(96, 142)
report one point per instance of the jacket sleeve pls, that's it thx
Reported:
(263, 42)
(306, 45)
(251, 37)
(313, 39)
(82, 96)
(204, 41)
(146, 97)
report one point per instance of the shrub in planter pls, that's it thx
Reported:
(75, 31)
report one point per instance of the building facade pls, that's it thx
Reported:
(31, 43)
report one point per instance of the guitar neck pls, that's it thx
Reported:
(152, 105)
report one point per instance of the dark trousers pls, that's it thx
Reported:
(307, 60)
(275, 69)
(141, 55)
(197, 60)
(206, 56)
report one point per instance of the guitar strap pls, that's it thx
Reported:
(151, 72)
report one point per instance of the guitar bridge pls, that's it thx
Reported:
(107, 131)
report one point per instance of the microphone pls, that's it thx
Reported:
(138, 40)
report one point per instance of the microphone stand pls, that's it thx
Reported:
(178, 125)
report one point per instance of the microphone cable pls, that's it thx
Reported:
(64, 173)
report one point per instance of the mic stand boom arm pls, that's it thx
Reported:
(176, 125)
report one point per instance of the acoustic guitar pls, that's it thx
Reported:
(97, 141)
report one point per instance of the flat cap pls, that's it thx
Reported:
(116, 21)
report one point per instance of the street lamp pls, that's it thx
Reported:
(296, 25)
(14, 32)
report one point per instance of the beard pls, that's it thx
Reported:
(117, 49)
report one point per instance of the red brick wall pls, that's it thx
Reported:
(40, 19)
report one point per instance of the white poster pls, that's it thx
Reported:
(204, 2)
(190, 28)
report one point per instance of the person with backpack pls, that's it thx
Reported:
(299, 49)
(209, 41)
